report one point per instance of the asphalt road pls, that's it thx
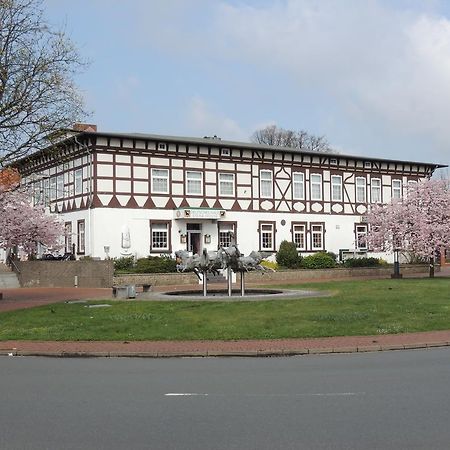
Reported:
(384, 400)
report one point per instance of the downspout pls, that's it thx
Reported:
(89, 234)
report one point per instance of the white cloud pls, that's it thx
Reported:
(204, 121)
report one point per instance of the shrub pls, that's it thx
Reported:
(320, 260)
(155, 264)
(362, 262)
(124, 263)
(287, 256)
(269, 264)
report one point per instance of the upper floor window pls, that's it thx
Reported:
(396, 189)
(194, 183)
(316, 186)
(226, 184)
(360, 190)
(78, 181)
(60, 186)
(336, 188)
(266, 183)
(160, 181)
(298, 186)
(53, 188)
(375, 190)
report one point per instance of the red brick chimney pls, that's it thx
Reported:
(84, 127)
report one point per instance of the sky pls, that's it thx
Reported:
(373, 76)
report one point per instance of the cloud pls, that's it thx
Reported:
(204, 121)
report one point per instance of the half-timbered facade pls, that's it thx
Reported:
(139, 194)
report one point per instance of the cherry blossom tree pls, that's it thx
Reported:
(25, 225)
(418, 223)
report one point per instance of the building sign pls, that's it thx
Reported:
(199, 213)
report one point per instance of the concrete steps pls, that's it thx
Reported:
(4, 268)
(8, 280)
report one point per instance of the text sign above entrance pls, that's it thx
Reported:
(199, 213)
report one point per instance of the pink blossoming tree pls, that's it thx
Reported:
(418, 223)
(24, 225)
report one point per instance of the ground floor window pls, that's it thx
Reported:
(361, 236)
(81, 228)
(68, 237)
(299, 235)
(227, 234)
(159, 236)
(267, 236)
(317, 236)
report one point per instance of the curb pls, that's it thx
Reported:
(221, 353)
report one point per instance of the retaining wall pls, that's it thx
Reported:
(95, 274)
(156, 279)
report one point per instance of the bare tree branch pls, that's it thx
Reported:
(37, 92)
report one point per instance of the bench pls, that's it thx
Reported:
(129, 290)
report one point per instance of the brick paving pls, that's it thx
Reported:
(31, 297)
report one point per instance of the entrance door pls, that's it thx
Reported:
(194, 234)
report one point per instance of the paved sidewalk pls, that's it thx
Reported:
(278, 347)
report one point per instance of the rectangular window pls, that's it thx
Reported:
(53, 188)
(68, 237)
(60, 187)
(226, 184)
(227, 234)
(336, 188)
(298, 186)
(299, 235)
(194, 183)
(361, 237)
(396, 189)
(375, 190)
(266, 184)
(360, 190)
(81, 237)
(267, 236)
(316, 186)
(78, 181)
(160, 181)
(159, 236)
(317, 242)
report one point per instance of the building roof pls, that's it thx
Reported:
(234, 144)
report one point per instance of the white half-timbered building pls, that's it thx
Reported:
(141, 194)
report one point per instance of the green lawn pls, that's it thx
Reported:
(357, 308)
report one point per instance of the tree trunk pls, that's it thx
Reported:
(432, 267)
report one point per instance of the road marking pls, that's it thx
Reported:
(315, 394)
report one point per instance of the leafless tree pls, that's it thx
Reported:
(277, 136)
(37, 92)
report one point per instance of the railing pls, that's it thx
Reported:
(10, 262)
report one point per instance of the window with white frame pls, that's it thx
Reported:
(159, 236)
(298, 186)
(227, 234)
(360, 190)
(68, 237)
(226, 184)
(317, 241)
(60, 186)
(267, 236)
(315, 181)
(375, 190)
(81, 238)
(78, 181)
(194, 183)
(265, 183)
(336, 188)
(396, 189)
(299, 235)
(361, 237)
(160, 181)
(53, 188)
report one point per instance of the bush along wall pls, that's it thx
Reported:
(288, 257)
(320, 260)
(150, 264)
